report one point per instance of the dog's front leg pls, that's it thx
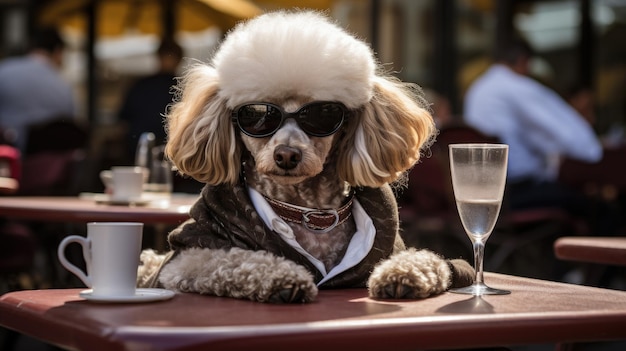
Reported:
(244, 274)
(413, 274)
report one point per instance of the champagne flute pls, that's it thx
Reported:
(478, 179)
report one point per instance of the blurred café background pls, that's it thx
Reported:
(442, 45)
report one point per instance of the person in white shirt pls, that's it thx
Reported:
(32, 89)
(538, 125)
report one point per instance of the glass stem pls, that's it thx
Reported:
(479, 251)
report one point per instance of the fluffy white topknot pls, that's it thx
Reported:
(288, 54)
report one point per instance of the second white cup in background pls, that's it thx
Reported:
(127, 182)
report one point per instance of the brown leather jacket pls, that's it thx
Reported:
(224, 217)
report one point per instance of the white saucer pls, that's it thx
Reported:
(108, 200)
(141, 295)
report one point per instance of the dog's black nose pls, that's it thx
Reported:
(287, 157)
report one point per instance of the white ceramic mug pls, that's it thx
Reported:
(127, 182)
(111, 251)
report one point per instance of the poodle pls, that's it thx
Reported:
(298, 135)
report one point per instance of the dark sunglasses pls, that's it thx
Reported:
(261, 119)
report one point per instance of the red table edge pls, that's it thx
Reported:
(395, 333)
(420, 332)
(72, 216)
(152, 215)
(599, 250)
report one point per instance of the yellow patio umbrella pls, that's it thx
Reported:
(118, 17)
(308, 4)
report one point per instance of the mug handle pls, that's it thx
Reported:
(86, 244)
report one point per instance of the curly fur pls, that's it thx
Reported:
(271, 55)
(289, 59)
(259, 61)
(410, 274)
(255, 275)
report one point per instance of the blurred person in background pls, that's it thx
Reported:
(32, 90)
(539, 126)
(146, 101)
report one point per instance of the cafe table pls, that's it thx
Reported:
(592, 249)
(536, 312)
(88, 208)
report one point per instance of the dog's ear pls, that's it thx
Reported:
(201, 140)
(386, 136)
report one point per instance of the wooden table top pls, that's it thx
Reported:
(87, 209)
(535, 312)
(592, 249)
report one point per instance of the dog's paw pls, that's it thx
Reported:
(292, 294)
(284, 281)
(410, 274)
(462, 273)
(254, 275)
